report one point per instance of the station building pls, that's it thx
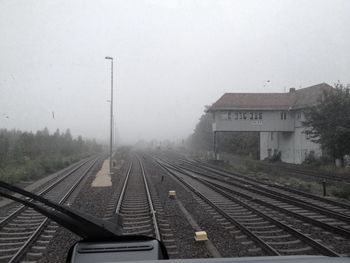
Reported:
(277, 117)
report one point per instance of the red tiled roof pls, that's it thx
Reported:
(271, 101)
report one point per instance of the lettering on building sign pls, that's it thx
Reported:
(242, 115)
(256, 122)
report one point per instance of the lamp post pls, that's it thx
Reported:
(111, 128)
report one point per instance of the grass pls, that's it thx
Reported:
(342, 191)
(32, 170)
(259, 171)
(262, 173)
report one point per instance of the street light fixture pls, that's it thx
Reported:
(111, 121)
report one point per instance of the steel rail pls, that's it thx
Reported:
(266, 247)
(278, 196)
(22, 250)
(313, 243)
(308, 173)
(121, 196)
(235, 175)
(339, 231)
(150, 201)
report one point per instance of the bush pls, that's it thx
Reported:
(311, 159)
(342, 191)
(276, 157)
(326, 160)
(252, 166)
(36, 169)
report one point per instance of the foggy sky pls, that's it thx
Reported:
(171, 59)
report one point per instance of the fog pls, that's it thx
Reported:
(171, 58)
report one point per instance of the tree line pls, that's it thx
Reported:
(28, 155)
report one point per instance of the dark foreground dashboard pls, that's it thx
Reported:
(152, 251)
(278, 259)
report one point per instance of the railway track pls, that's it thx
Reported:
(25, 233)
(308, 173)
(11, 206)
(314, 213)
(273, 236)
(135, 206)
(313, 202)
(139, 210)
(295, 170)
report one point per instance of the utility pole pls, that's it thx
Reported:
(111, 121)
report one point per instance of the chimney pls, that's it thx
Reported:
(291, 90)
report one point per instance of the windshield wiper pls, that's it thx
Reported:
(87, 226)
(102, 240)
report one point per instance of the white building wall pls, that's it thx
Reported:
(263, 145)
(286, 136)
(286, 146)
(304, 146)
(294, 146)
(245, 120)
(268, 144)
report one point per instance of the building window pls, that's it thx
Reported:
(224, 116)
(283, 115)
(229, 115)
(299, 115)
(271, 136)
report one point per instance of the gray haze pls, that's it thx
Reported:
(172, 58)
